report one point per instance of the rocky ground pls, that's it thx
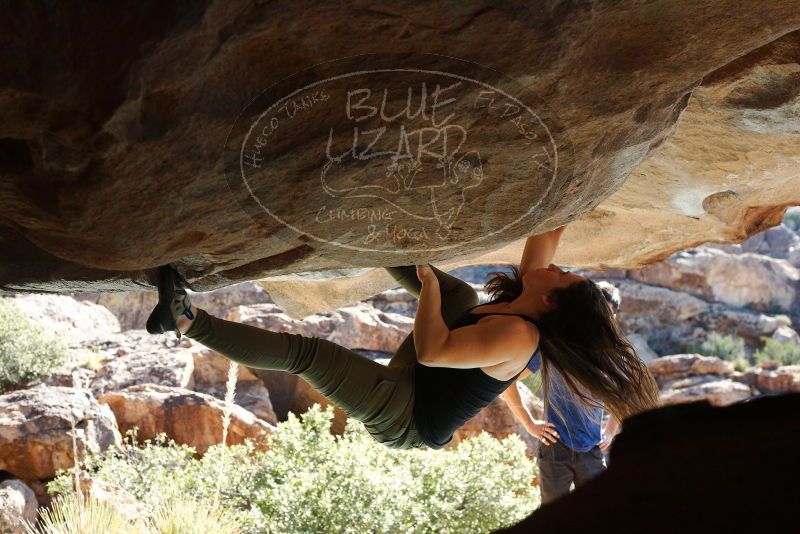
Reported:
(119, 377)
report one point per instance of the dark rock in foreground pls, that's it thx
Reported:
(691, 468)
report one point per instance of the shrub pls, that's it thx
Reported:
(729, 348)
(72, 514)
(785, 353)
(312, 481)
(26, 353)
(187, 516)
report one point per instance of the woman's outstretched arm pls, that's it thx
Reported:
(540, 250)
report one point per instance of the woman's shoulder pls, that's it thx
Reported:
(520, 327)
(492, 311)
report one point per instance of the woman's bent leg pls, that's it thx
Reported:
(380, 397)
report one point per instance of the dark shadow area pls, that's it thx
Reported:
(692, 468)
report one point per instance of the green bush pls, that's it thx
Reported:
(26, 353)
(728, 348)
(773, 350)
(312, 481)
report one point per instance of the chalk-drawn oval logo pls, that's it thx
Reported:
(397, 153)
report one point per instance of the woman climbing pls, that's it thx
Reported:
(460, 356)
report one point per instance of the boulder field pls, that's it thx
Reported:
(126, 138)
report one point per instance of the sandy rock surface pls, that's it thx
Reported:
(692, 377)
(210, 376)
(17, 504)
(717, 392)
(69, 320)
(36, 429)
(128, 358)
(764, 283)
(360, 326)
(133, 307)
(188, 417)
(773, 380)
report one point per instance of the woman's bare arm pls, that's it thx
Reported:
(541, 430)
(540, 250)
(430, 330)
(489, 342)
(486, 343)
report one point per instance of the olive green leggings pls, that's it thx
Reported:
(381, 397)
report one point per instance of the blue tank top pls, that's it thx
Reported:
(446, 398)
(577, 425)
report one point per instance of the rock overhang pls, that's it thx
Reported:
(682, 122)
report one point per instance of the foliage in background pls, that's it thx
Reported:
(312, 481)
(787, 353)
(26, 352)
(534, 383)
(728, 348)
(793, 217)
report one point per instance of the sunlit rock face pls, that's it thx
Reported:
(728, 171)
(162, 148)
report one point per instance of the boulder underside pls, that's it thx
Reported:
(205, 138)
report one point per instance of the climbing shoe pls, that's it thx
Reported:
(173, 301)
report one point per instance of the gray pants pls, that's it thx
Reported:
(381, 397)
(560, 466)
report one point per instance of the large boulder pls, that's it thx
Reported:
(37, 427)
(672, 321)
(210, 376)
(692, 377)
(360, 326)
(126, 359)
(17, 504)
(188, 417)
(133, 307)
(738, 280)
(778, 242)
(773, 380)
(91, 170)
(71, 321)
(719, 392)
(682, 365)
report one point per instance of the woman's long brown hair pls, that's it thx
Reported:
(580, 338)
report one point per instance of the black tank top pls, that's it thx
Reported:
(446, 398)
